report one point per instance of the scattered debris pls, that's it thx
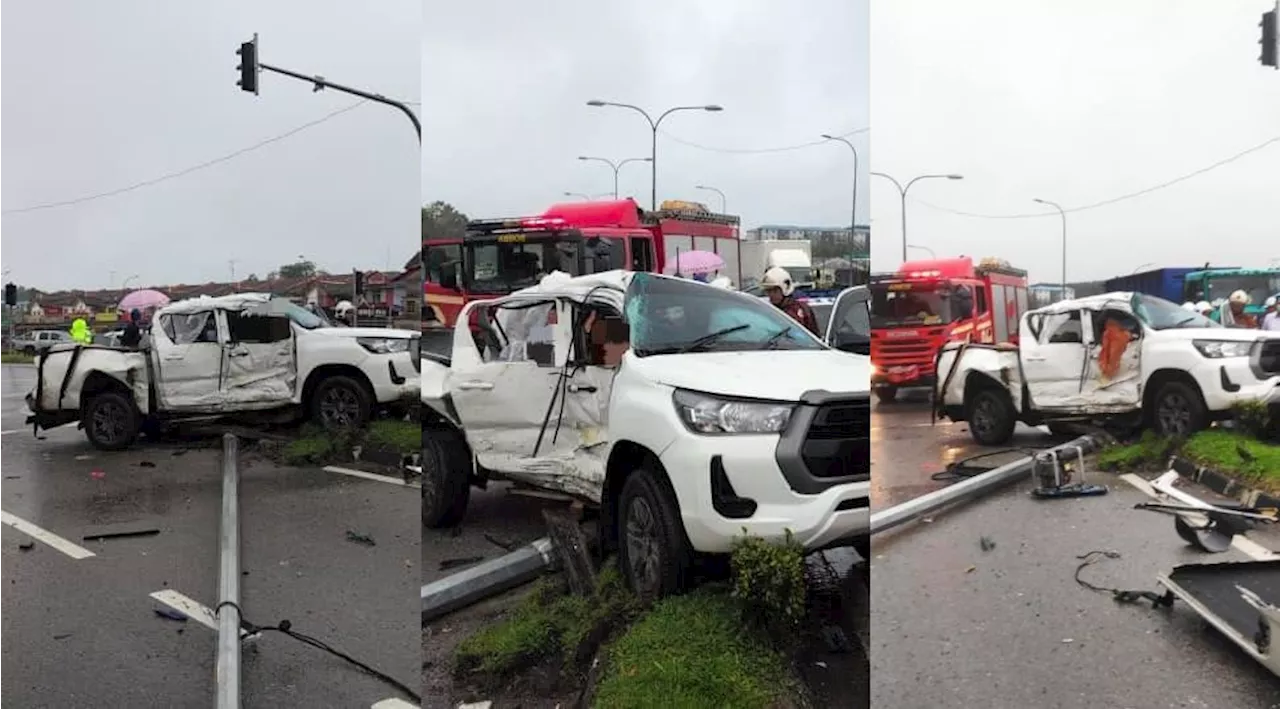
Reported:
(971, 569)
(181, 451)
(1068, 640)
(98, 475)
(505, 546)
(12, 477)
(1055, 478)
(447, 564)
(358, 538)
(171, 614)
(570, 547)
(122, 534)
(84, 457)
(146, 464)
(987, 543)
(835, 639)
(27, 546)
(62, 636)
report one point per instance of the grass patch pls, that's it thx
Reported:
(692, 651)
(391, 434)
(1148, 451)
(310, 448)
(1236, 455)
(16, 358)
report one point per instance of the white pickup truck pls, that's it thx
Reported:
(687, 414)
(1120, 358)
(226, 356)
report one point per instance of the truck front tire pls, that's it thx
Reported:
(654, 552)
(111, 421)
(991, 417)
(446, 478)
(1178, 410)
(340, 402)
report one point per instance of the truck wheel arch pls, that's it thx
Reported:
(1157, 380)
(98, 381)
(976, 380)
(323, 372)
(626, 458)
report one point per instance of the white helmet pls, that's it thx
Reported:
(1239, 297)
(722, 282)
(1203, 306)
(777, 277)
(1270, 302)
(1189, 306)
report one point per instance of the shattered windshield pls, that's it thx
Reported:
(899, 304)
(1160, 314)
(669, 316)
(516, 262)
(301, 316)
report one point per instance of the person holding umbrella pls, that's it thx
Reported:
(132, 336)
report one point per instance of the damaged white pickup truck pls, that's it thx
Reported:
(222, 357)
(1126, 360)
(685, 413)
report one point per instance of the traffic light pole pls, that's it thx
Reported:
(320, 83)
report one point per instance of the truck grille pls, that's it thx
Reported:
(891, 353)
(1269, 361)
(838, 442)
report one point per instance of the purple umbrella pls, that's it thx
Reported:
(143, 300)
(694, 263)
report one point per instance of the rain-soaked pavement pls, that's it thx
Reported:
(84, 632)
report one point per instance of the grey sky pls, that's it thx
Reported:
(98, 96)
(1076, 103)
(506, 86)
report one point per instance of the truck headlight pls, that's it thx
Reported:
(384, 345)
(1217, 349)
(702, 413)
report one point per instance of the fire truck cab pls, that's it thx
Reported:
(928, 303)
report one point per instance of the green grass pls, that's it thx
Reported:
(402, 436)
(309, 449)
(1219, 450)
(692, 651)
(1145, 453)
(16, 358)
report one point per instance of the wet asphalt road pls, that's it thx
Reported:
(83, 632)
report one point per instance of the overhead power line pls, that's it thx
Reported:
(1112, 200)
(187, 171)
(754, 151)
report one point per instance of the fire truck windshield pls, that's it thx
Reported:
(514, 261)
(898, 304)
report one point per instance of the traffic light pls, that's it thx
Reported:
(1268, 41)
(10, 294)
(359, 281)
(248, 53)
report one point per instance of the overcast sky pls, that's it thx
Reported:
(506, 85)
(1076, 103)
(99, 96)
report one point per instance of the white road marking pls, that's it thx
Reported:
(1243, 544)
(394, 704)
(12, 430)
(75, 551)
(369, 476)
(193, 609)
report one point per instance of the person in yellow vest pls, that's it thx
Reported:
(80, 332)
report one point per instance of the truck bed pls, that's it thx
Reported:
(1211, 590)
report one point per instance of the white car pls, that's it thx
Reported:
(689, 414)
(36, 341)
(1175, 371)
(225, 356)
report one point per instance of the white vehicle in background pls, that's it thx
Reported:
(1170, 369)
(794, 255)
(685, 413)
(34, 342)
(226, 356)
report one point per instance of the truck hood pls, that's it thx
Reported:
(385, 333)
(778, 375)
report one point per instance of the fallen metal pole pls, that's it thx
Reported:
(486, 579)
(227, 677)
(963, 491)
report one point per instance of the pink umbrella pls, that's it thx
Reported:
(693, 263)
(143, 300)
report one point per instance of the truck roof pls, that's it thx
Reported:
(234, 301)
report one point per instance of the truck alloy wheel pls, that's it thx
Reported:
(654, 551)
(643, 546)
(110, 421)
(340, 402)
(990, 416)
(446, 478)
(1178, 411)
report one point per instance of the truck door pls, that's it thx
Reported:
(259, 366)
(1053, 360)
(849, 329)
(1114, 369)
(188, 360)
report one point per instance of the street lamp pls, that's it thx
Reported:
(616, 166)
(653, 125)
(1139, 268)
(853, 219)
(724, 209)
(923, 248)
(1062, 212)
(125, 285)
(902, 192)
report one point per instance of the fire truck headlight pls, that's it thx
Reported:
(706, 414)
(1217, 349)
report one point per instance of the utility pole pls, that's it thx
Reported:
(251, 66)
(1270, 41)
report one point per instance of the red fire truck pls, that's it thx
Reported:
(930, 302)
(500, 256)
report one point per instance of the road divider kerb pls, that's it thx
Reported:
(370, 476)
(44, 536)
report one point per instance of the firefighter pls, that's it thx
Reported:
(778, 287)
(1233, 314)
(1271, 319)
(1205, 309)
(80, 332)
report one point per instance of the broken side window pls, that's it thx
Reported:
(190, 328)
(600, 336)
(529, 332)
(257, 329)
(1062, 328)
(1124, 320)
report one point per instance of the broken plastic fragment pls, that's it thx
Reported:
(171, 614)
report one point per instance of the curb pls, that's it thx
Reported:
(1223, 484)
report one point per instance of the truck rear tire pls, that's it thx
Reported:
(340, 402)
(991, 417)
(1178, 410)
(887, 395)
(111, 421)
(446, 478)
(654, 552)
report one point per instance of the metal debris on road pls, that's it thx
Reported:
(27, 546)
(505, 546)
(146, 464)
(570, 547)
(172, 614)
(122, 534)
(358, 538)
(98, 475)
(987, 543)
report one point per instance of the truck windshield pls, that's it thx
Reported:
(892, 307)
(671, 315)
(300, 315)
(1259, 287)
(503, 266)
(1160, 314)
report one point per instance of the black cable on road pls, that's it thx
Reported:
(1118, 595)
(963, 469)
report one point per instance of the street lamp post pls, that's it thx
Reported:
(923, 248)
(1063, 213)
(724, 203)
(616, 167)
(653, 125)
(585, 197)
(853, 219)
(902, 192)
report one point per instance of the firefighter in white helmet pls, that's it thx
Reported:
(1189, 306)
(1271, 321)
(778, 287)
(1204, 308)
(1233, 314)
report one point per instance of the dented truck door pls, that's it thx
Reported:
(188, 360)
(259, 368)
(1114, 371)
(1052, 362)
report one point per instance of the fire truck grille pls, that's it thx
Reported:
(838, 443)
(905, 350)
